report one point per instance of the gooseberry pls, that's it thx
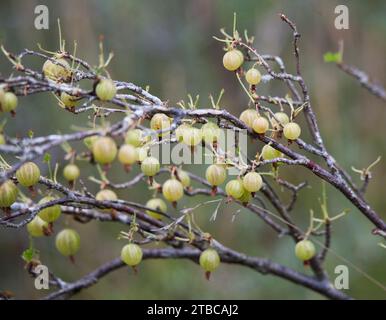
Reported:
(8, 102)
(68, 100)
(8, 194)
(192, 136)
(253, 76)
(282, 118)
(270, 153)
(28, 174)
(233, 59)
(104, 150)
(215, 174)
(131, 254)
(179, 132)
(292, 131)
(235, 188)
(49, 214)
(184, 178)
(172, 190)
(67, 242)
(160, 121)
(305, 250)
(127, 154)
(37, 227)
(142, 153)
(150, 166)
(106, 195)
(89, 141)
(156, 204)
(260, 125)
(210, 132)
(136, 137)
(71, 172)
(252, 182)
(246, 197)
(209, 260)
(57, 71)
(248, 117)
(105, 89)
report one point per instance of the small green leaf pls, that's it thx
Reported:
(47, 157)
(28, 254)
(30, 134)
(335, 57)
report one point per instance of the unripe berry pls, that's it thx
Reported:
(252, 182)
(142, 153)
(8, 194)
(28, 174)
(248, 117)
(209, 260)
(172, 190)
(179, 132)
(127, 154)
(131, 254)
(192, 136)
(37, 227)
(233, 59)
(150, 166)
(292, 131)
(106, 195)
(305, 250)
(260, 125)
(136, 137)
(105, 89)
(184, 178)
(71, 172)
(215, 174)
(8, 102)
(156, 204)
(55, 71)
(2, 139)
(210, 132)
(89, 141)
(67, 242)
(270, 153)
(235, 188)
(49, 214)
(253, 76)
(68, 100)
(104, 150)
(282, 118)
(246, 197)
(160, 121)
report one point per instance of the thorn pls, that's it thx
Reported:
(214, 191)
(207, 275)
(72, 259)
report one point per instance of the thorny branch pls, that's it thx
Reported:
(139, 104)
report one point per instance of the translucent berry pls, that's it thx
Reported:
(216, 174)
(159, 122)
(136, 137)
(282, 118)
(8, 102)
(253, 76)
(37, 227)
(68, 100)
(246, 197)
(233, 59)
(89, 141)
(292, 131)
(305, 250)
(142, 153)
(104, 150)
(172, 190)
(270, 153)
(105, 89)
(209, 260)
(49, 214)
(210, 132)
(131, 254)
(260, 125)
(184, 178)
(252, 182)
(248, 117)
(150, 166)
(67, 242)
(8, 194)
(28, 174)
(127, 154)
(106, 195)
(235, 188)
(180, 131)
(71, 172)
(192, 136)
(156, 204)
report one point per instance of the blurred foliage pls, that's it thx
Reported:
(168, 45)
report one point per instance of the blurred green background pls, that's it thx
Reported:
(169, 46)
